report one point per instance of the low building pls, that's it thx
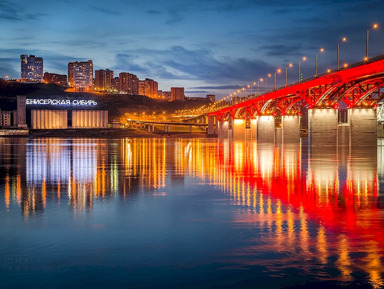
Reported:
(211, 97)
(59, 79)
(14, 118)
(8, 119)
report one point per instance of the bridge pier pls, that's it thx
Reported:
(266, 128)
(253, 129)
(238, 129)
(223, 129)
(212, 125)
(363, 122)
(290, 128)
(322, 126)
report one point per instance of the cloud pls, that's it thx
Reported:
(153, 12)
(106, 11)
(232, 87)
(13, 12)
(197, 91)
(178, 62)
(281, 49)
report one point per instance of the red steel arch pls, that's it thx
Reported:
(358, 86)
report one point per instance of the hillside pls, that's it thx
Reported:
(116, 104)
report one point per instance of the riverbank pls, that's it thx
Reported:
(111, 133)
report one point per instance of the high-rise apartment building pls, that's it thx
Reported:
(80, 75)
(149, 87)
(152, 88)
(31, 68)
(177, 93)
(103, 80)
(142, 87)
(115, 84)
(59, 79)
(129, 83)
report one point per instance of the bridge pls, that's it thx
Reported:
(357, 85)
(167, 125)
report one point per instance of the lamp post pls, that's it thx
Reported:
(260, 80)
(374, 26)
(286, 73)
(304, 59)
(321, 50)
(276, 72)
(344, 39)
(250, 86)
(266, 81)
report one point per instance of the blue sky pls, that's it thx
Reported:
(207, 46)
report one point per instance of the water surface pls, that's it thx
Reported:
(189, 213)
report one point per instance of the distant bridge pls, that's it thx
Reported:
(150, 125)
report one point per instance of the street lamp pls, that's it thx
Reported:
(374, 26)
(276, 72)
(266, 82)
(304, 59)
(344, 39)
(321, 50)
(286, 73)
(250, 86)
(258, 86)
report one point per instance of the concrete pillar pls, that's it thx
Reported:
(322, 126)
(290, 128)
(223, 129)
(212, 125)
(230, 127)
(363, 122)
(254, 128)
(238, 129)
(266, 128)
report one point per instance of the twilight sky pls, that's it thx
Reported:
(207, 46)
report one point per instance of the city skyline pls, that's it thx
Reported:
(205, 46)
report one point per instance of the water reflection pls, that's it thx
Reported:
(308, 205)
